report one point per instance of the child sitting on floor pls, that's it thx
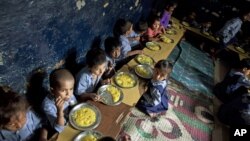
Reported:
(56, 104)
(18, 122)
(235, 83)
(166, 15)
(191, 20)
(88, 77)
(155, 99)
(113, 50)
(122, 30)
(138, 35)
(155, 29)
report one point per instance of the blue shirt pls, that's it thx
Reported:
(154, 96)
(230, 29)
(125, 46)
(85, 83)
(49, 107)
(133, 42)
(26, 133)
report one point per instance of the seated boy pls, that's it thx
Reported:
(138, 35)
(89, 77)
(56, 104)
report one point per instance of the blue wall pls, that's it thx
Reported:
(37, 35)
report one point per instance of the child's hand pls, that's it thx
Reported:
(139, 52)
(96, 97)
(106, 81)
(137, 38)
(59, 104)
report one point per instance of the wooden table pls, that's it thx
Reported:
(111, 121)
(211, 38)
(132, 95)
(113, 116)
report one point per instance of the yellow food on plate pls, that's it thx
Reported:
(125, 80)
(169, 31)
(115, 93)
(143, 59)
(153, 46)
(89, 137)
(175, 26)
(84, 117)
(142, 71)
(166, 39)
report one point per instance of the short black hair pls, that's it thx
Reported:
(141, 26)
(164, 66)
(59, 74)
(106, 139)
(95, 57)
(244, 63)
(111, 43)
(121, 27)
(153, 19)
(10, 104)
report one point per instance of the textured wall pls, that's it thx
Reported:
(40, 34)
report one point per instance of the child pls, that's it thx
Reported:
(155, 99)
(88, 78)
(166, 15)
(155, 29)
(56, 104)
(113, 51)
(235, 83)
(228, 32)
(122, 30)
(138, 35)
(191, 20)
(17, 120)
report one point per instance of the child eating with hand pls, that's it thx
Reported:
(56, 104)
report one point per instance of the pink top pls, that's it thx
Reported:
(153, 33)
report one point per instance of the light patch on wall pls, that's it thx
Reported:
(80, 4)
(1, 58)
(106, 5)
(137, 3)
(130, 8)
(103, 14)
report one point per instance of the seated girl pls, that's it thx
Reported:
(155, 99)
(155, 29)
(18, 122)
(235, 83)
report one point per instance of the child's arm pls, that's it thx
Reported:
(89, 96)
(134, 52)
(60, 115)
(43, 134)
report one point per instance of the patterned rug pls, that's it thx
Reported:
(189, 116)
(179, 123)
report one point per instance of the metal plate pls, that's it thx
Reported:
(166, 39)
(120, 82)
(85, 105)
(81, 136)
(153, 46)
(185, 23)
(171, 32)
(147, 68)
(239, 49)
(107, 97)
(144, 59)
